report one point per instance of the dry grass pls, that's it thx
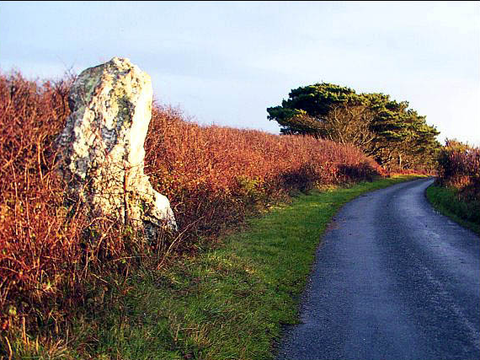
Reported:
(54, 258)
(457, 193)
(214, 175)
(459, 168)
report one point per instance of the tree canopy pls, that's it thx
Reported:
(391, 132)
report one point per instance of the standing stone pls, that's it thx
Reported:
(101, 147)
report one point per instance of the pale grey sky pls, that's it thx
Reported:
(226, 62)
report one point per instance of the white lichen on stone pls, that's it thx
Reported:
(102, 152)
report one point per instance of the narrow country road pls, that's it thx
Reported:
(393, 280)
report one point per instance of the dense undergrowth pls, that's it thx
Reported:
(55, 262)
(457, 189)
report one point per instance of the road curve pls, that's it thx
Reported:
(393, 280)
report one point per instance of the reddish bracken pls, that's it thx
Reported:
(51, 254)
(213, 175)
(459, 167)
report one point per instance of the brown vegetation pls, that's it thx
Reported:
(225, 172)
(459, 168)
(53, 258)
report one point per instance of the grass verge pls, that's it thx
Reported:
(225, 303)
(446, 201)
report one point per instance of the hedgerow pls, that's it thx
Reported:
(459, 170)
(54, 260)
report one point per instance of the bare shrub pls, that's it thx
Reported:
(459, 167)
(53, 258)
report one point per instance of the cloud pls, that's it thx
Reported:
(226, 62)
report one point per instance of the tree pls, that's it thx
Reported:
(393, 134)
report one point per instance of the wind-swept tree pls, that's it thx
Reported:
(383, 128)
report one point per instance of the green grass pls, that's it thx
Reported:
(227, 303)
(446, 201)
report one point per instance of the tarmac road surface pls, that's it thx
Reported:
(393, 280)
